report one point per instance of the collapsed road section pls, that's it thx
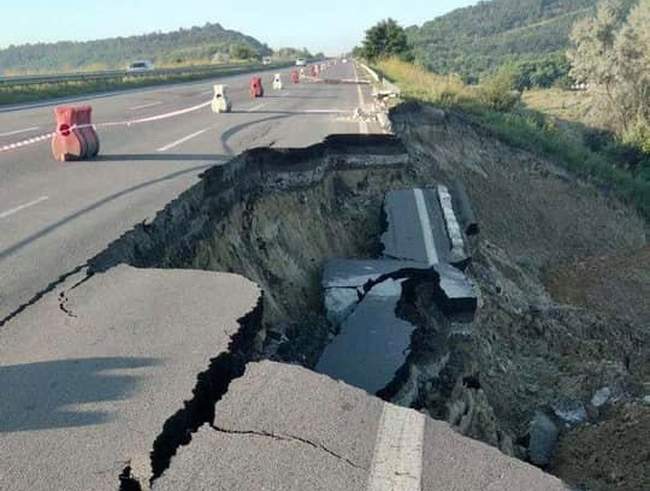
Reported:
(422, 237)
(295, 222)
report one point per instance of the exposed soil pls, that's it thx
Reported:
(612, 454)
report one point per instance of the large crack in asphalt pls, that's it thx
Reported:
(40, 294)
(290, 438)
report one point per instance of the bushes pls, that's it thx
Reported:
(498, 91)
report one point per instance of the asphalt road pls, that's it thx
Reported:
(281, 427)
(54, 217)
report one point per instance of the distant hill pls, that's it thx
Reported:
(183, 46)
(474, 40)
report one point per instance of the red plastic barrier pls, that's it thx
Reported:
(314, 71)
(74, 138)
(295, 76)
(256, 88)
(84, 120)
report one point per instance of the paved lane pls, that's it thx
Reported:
(54, 217)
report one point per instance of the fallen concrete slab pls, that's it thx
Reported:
(373, 343)
(423, 226)
(122, 354)
(416, 227)
(282, 427)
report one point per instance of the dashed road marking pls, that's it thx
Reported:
(144, 106)
(15, 210)
(17, 132)
(397, 460)
(182, 140)
(255, 108)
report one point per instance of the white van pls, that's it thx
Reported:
(140, 66)
(301, 62)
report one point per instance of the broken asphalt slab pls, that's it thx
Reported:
(373, 343)
(91, 375)
(282, 427)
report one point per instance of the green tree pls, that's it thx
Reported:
(611, 54)
(386, 39)
(241, 51)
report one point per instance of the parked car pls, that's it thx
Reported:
(140, 66)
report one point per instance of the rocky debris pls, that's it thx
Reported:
(611, 453)
(543, 435)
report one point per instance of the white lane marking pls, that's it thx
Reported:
(363, 126)
(17, 132)
(425, 224)
(24, 143)
(397, 460)
(325, 111)
(182, 140)
(255, 108)
(7, 213)
(208, 92)
(160, 116)
(144, 106)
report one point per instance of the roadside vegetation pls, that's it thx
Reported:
(602, 134)
(21, 93)
(589, 153)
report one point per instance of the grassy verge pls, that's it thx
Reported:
(32, 92)
(524, 128)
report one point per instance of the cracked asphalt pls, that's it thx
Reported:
(109, 372)
(282, 427)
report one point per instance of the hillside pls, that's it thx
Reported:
(474, 40)
(183, 46)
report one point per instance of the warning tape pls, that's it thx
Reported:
(131, 122)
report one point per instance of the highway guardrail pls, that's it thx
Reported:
(196, 70)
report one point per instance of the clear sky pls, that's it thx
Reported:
(324, 25)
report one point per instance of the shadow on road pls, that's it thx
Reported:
(160, 156)
(97, 204)
(39, 396)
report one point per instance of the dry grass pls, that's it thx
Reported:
(418, 83)
(569, 105)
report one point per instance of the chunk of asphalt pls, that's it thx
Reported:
(416, 227)
(282, 427)
(373, 343)
(463, 204)
(346, 282)
(353, 273)
(85, 397)
(340, 303)
(459, 296)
